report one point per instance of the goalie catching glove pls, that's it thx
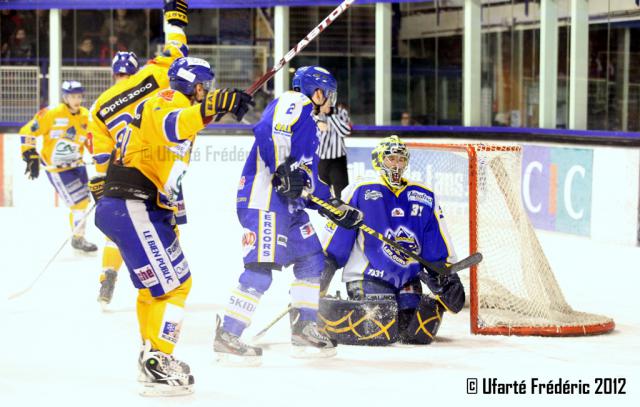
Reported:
(343, 215)
(175, 12)
(225, 101)
(289, 180)
(32, 159)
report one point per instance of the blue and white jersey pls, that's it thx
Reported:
(411, 216)
(286, 129)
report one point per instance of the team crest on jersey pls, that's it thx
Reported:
(372, 195)
(248, 242)
(421, 197)
(242, 182)
(405, 238)
(397, 213)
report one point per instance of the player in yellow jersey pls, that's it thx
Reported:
(116, 107)
(136, 210)
(63, 129)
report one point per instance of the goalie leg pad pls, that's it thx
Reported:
(360, 322)
(424, 322)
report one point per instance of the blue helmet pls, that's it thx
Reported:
(308, 79)
(185, 73)
(125, 63)
(69, 87)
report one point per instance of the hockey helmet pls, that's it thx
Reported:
(186, 73)
(388, 146)
(69, 87)
(308, 79)
(124, 63)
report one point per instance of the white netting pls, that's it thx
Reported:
(94, 79)
(517, 292)
(19, 93)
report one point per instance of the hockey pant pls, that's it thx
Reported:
(271, 241)
(71, 187)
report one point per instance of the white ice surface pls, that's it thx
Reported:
(58, 348)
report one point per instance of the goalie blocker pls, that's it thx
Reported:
(377, 322)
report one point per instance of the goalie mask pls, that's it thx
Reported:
(390, 159)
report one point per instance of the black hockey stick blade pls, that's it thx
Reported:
(467, 262)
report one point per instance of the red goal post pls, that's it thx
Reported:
(513, 291)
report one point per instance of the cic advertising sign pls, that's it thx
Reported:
(556, 188)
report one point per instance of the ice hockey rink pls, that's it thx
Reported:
(59, 348)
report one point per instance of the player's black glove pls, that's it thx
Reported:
(32, 159)
(226, 101)
(96, 186)
(448, 289)
(175, 12)
(288, 180)
(346, 216)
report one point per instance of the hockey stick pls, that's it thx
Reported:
(440, 267)
(75, 229)
(297, 49)
(260, 334)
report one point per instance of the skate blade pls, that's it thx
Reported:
(104, 305)
(310, 352)
(80, 252)
(164, 390)
(229, 360)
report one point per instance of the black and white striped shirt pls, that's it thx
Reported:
(332, 140)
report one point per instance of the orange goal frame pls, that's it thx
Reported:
(470, 150)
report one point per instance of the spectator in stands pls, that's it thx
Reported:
(405, 119)
(20, 48)
(87, 53)
(109, 49)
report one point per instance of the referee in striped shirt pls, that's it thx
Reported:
(333, 153)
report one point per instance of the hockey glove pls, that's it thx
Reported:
(288, 181)
(448, 290)
(96, 186)
(345, 216)
(225, 101)
(32, 159)
(175, 12)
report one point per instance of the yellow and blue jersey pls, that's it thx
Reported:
(116, 107)
(159, 141)
(287, 129)
(409, 215)
(64, 136)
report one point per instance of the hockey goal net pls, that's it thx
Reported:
(513, 291)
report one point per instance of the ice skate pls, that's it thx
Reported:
(81, 245)
(231, 351)
(309, 342)
(163, 375)
(175, 364)
(107, 285)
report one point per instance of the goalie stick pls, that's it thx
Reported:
(35, 280)
(298, 48)
(439, 267)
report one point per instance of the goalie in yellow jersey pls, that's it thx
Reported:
(114, 110)
(136, 211)
(63, 129)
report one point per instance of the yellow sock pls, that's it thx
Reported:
(77, 213)
(160, 318)
(111, 257)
